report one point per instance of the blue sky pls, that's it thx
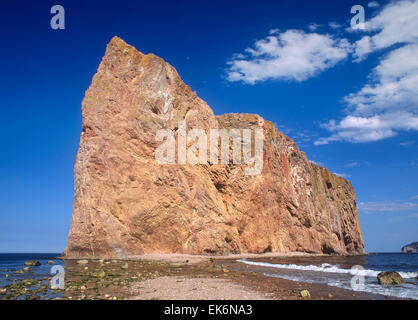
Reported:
(348, 98)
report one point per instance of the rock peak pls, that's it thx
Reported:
(117, 46)
(118, 42)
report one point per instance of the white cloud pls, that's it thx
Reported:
(342, 175)
(291, 55)
(396, 23)
(318, 163)
(373, 4)
(406, 143)
(385, 106)
(334, 25)
(386, 206)
(313, 26)
(352, 164)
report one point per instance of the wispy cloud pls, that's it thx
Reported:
(373, 4)
(406, 143)
(352, 164)
(387, 206)
(342, 175)
(334, 25)
(292, 55)
(313, 26)
(318, 163)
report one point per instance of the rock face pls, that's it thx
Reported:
(389, 278)
(410, 248)
(127, 204)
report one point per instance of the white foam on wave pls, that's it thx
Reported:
(326, 267)
(408, 291)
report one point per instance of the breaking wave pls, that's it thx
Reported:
(326, 267)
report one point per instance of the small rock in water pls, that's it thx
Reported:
(389, 278)
(4, 270)
(305, 293)
(29, 282)
(19, 271)
(82, 261)
(50, 262)
(32, 263)
(26, 269)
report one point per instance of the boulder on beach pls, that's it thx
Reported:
(389, 278)
(305, 293)
(98, 273)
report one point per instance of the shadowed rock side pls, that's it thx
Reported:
(126, 204)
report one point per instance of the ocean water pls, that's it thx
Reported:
(354, 273)
(12, 262)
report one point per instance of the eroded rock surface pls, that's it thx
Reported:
(126, 204)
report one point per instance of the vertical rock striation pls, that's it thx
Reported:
(126, 204)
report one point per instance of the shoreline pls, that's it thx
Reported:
(179, 257)
(184, 277)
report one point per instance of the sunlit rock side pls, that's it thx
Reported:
(126, 204)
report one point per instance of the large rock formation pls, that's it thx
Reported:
(127, 204)
(410, 248)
